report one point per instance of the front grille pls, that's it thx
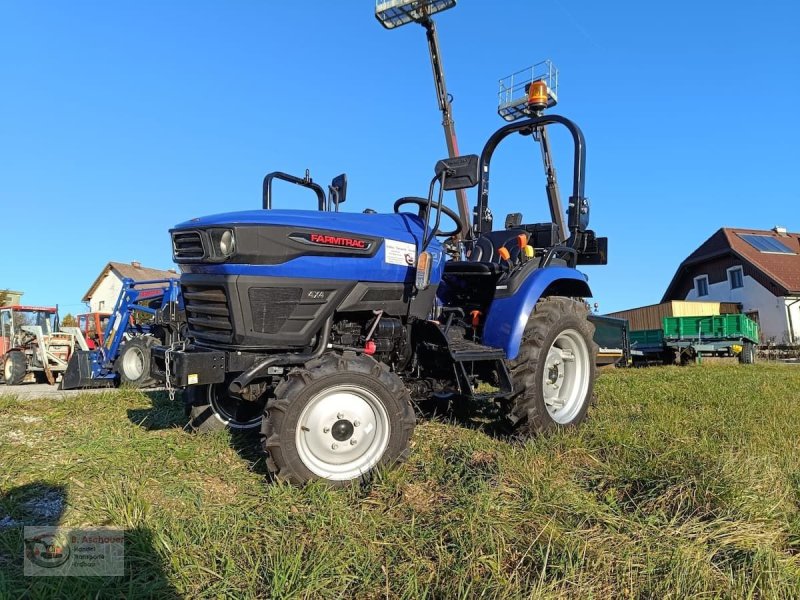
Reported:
(383, 295)
(271, 307)
(187, 244)
(208, 313)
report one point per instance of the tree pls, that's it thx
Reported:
(69, 321)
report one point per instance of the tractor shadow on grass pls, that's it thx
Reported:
(167, 414)
(455, 411)
(248, 447)
(40, 503)
(162, 414)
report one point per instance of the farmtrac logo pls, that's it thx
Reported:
(336, 241)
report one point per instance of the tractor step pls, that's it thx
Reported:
(470, 358)
(463, 350)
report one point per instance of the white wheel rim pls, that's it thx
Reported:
(7, 370)
(342, 432)
(133, 364)
(567, 371)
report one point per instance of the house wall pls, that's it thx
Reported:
(753, 297)
(14, 298)
(793, 306)
(105, 296)
(717, 272)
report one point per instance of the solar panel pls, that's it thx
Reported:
(766, 243)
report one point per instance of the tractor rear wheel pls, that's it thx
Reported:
(14, 368)
(213, 408)
(133, 362)
(336, 419)
(554, 373)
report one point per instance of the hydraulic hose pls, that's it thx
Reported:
(259, 369)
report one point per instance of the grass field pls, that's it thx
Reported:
(684, 482)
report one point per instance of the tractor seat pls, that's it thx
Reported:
(487, 246)
(470, 268)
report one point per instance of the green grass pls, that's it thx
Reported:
(685, 482)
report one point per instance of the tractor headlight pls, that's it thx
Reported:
(226, 243)
(223, 242)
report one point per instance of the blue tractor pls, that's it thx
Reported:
(123, 358)
(322, 330)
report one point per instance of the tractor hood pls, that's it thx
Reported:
(278, 243)
(405, 227)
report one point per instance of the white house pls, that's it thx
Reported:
(758, 269)
(106, 288)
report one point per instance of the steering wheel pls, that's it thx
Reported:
(422, 204)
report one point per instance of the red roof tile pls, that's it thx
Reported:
(784, 269)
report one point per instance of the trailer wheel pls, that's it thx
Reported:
(748, 354)
(14, 368)
(213, 408)
(133, 362)
(554, 373)
(336, 419)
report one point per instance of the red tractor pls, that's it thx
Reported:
(93, 327)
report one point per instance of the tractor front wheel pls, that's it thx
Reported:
(214, 408)
(554, 373)
(14, 367)
(336, 419)
(133, 362)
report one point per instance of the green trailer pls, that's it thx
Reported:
(687, 339)
(716, 327)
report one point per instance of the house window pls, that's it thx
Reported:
(736, 277)
(701, 284)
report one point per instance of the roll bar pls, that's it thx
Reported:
(578, 210)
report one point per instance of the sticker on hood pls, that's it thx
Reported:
(400, 253)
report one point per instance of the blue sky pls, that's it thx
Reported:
(121, 119)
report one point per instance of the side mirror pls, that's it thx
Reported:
(458, 173)
(339, 188)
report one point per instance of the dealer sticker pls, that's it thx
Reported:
(56, 552)
(400, 253)
(192, 378)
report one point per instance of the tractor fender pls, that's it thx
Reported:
(508, 316)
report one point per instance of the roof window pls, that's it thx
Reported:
(766, 243)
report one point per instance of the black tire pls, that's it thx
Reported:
(14, 368)
(212, 408)
(566, 321)
(748, 354)
(335, 392)
(41, 377)
(133, 363)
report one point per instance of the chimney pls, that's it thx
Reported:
(136, 264)
(779, 230)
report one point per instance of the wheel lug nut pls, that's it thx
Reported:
(340, 415)
(356, 423)
(326, 429)
(334, 446)
(353, 442)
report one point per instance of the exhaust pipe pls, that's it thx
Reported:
(260, 369)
